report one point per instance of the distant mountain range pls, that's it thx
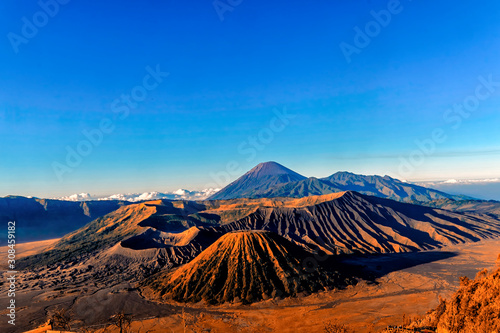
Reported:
(270, 180)
(40, 219)
(165, 233)
(241, 250)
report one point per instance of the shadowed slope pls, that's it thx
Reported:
(271, 180)
(243, 266)
(163, 229)
(357, 223)
(384, 187)
(343, 222)
(261, 177)
(41, 219)
(297, 189)
(143, 238)
(489, 207)
(101, 233)
(150, 225)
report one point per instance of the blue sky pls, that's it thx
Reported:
(227, 79)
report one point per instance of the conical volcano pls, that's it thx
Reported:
(244, 266)
(260, 178)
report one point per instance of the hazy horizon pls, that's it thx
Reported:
(484, 189)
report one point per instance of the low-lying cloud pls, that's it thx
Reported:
(180, 194)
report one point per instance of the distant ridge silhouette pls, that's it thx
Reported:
(271, 180)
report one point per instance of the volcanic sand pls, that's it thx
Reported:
(407, 283)
(28, 249)
(410, 291)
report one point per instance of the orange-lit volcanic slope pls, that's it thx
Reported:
(148, 234)
(162, 233)
(475, 307)
(244, 266)
(353, 222)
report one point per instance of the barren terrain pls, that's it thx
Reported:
(400, 288)
(28, 249)
(189, 252)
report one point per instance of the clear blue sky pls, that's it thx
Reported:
(226, 78)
